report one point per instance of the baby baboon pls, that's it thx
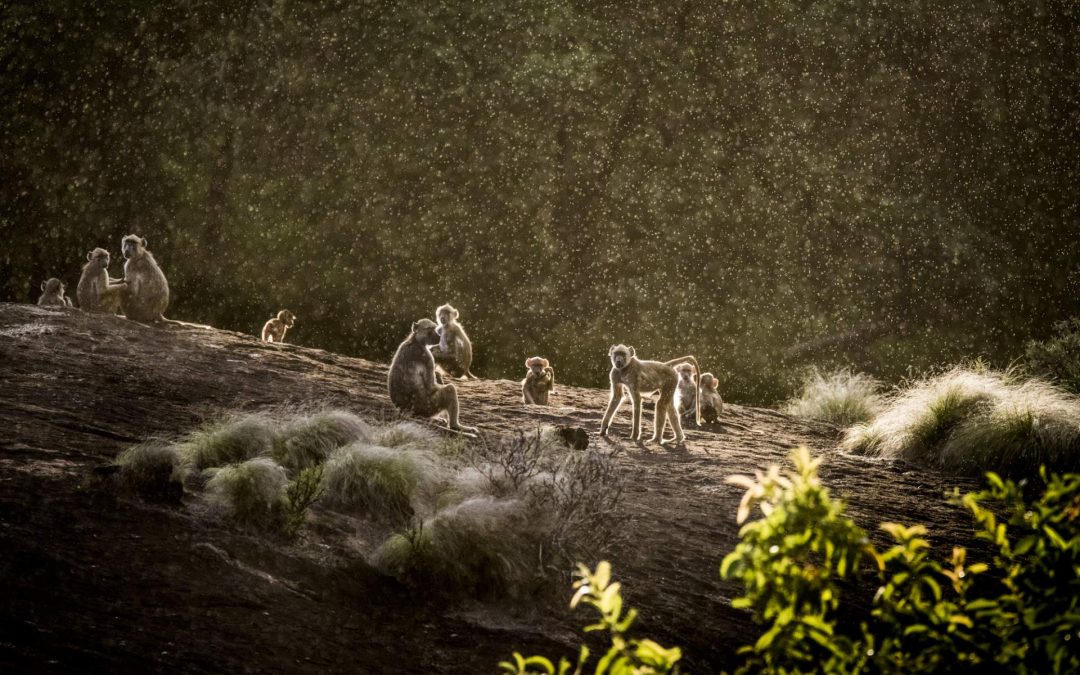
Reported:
(53, 294)
(274, 329)
(454, 351)
(411, 380)
(712, 406)
(686, 393)
(97, 291)
(630, 374)
(539, 381)
(147, 292)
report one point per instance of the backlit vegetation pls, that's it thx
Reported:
(841, 397)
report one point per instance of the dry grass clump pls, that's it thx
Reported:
(154, 470)
(253, 492)
(381, 482)
(406, 433)
(841, 397)
(308, 440)
(973, 421)
(233, 439)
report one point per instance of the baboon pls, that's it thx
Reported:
(274, 329)
(712, 405)
(539, 381)
(637, 377)
(411, 380)
(97, 291)
(686, 392)
(53, 294)
(454, 351)
(147, 292)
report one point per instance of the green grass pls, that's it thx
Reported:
(973, 421)
(308, 441)
(154, 470)
(384, 483)
(841, 397)
(233, 439)
(252, 492)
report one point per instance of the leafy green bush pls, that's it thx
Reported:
(307, 441)
(625, 656)
(971, 421)
(1058, 357)
(841, 397)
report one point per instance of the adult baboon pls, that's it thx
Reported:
(637, 377)
(454, 350)
(411, 380)
(539, 381)
(53, 294)
(274, 329)
(712, 405)
(97, 291)
(147, 292)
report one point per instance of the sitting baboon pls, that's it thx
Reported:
(539, 381)
(712, 405)
(147, 292)
(686, 392)
(454, 351)
(274, 329)
(411, 379)
(636, 377)
(53, 294)
(97, 291)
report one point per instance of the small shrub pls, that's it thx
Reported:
(969, 422)
(385, 483)
(1058, 357)
(842, 397)
(583, 495)
(509, 463)
(234, 439)
(153, 470)
(299, 496)
(307, 441)
(253, 492)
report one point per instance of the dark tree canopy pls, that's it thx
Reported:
(763, 183)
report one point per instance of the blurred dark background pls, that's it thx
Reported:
(763, 183)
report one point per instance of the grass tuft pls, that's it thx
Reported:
(406, 433)
(842, 397)
(236, 438)
(973, 421)
(153, 470)
(384, 483)
(308, 441)
(254, 491)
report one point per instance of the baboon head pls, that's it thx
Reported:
(424, 331)
(53, 285)
(536, 364)
(446, 314)
(286, 317)
(620, 355)
(100, 257)
(132, 245)
(708, 380)
(685, 371)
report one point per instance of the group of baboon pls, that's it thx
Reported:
(432, 349)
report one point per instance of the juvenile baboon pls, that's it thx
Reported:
(147, 292)
(53, 294)
(274, 329)
(97, 291)
(539, 381)
(686, 392)
(630, 374)
(454, 350)
(411, 379)
(712, 405)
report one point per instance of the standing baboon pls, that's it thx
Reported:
(454, 351)
(53, 294)
(147, 292)
(686, 392)
(274, 329)
(712, 405)
(411, 379)
(97, 291)
(637, 377)
(539, 381)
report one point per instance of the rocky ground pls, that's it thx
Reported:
(96, 582)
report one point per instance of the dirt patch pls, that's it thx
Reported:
(95, 583)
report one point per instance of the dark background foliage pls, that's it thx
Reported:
(763, 183)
